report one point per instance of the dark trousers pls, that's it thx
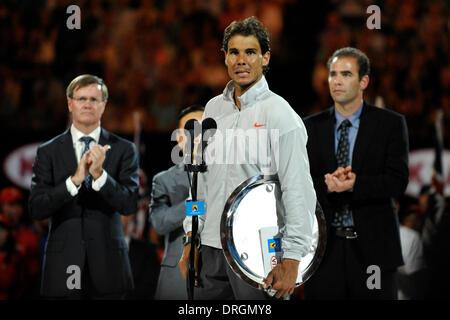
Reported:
(218, 282)
(88, 291)
(343, 274)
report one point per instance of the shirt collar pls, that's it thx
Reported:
(77, 134)
(354, 118)
(250, 96)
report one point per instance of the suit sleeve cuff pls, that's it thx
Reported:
(71, 187)
(100, 182)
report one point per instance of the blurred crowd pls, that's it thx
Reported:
(21, 244)
(159, 56)
(154, 56)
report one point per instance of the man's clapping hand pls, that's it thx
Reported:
(342, 179)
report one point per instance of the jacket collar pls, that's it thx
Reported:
(77, 134)
(68, 153)
(354, 118)
(363, 111)
(259, 90)
(104, 137)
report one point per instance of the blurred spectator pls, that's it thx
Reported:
(423, 198)
(436, 249)
(411, 276)
(11, 263)
(320, 86)
(26, 241)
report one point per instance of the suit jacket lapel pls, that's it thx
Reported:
(68, 152)
(103, 140)
(367, 128)
(329, 147)
(181, 175)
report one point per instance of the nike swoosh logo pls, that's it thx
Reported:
(259, 125)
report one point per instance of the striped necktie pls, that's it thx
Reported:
(343, 216)
(87, 140)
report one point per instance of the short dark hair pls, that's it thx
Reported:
(363, 60)
(193, 108)
(250, 26)
(85, 80)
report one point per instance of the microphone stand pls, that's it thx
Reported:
(194, 169)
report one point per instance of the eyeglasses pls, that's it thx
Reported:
(83, 100)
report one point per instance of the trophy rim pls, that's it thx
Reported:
(227, 239)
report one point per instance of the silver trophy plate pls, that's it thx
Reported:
(250, 211)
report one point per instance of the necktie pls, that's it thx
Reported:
(87, 140)
(343, 145)
(343, 217)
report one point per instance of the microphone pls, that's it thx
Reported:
(209, 128)
(207, 124)
(192, 126)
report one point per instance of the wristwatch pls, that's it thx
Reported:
(188, 239)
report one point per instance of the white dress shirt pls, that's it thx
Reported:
(79, 148)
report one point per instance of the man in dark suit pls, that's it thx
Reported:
(167, 211)
(83, 180)
(359, 163)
